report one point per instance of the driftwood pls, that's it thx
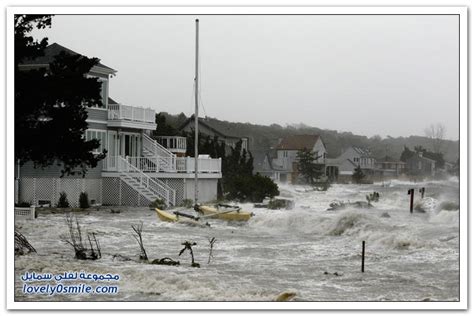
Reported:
(211, 246)
(22, 246)
(188, 245)
(138, 237)
(165, 261)
(372, 197)
(75, 240)
(340, 205)
(120, 257)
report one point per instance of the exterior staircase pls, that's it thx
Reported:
(158, 154)
(149, 188)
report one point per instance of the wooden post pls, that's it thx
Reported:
(363, 255)
(411, 192)
(422, 191)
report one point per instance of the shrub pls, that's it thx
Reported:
(276, 204)
(23, 204)
(84, 200)
(188, 203)
(358, 175)
(253, 188)
(159, 203)
(63, 202)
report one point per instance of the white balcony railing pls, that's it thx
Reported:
(176, 144)
(158, 164)
(131, 113)
(205, 165)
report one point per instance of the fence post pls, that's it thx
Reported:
(33, 212)
(363, 256)
(422, 191)
(411, 192)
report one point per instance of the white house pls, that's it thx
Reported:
(137, 170)
(342, 167)
(286, 154)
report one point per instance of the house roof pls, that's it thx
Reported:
(297, 142)
(203, 122)
(363, 152)
(55, 49)
(417, 157)
(389, 159)
(111, 101)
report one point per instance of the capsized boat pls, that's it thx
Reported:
(224, 212)
(177, 218)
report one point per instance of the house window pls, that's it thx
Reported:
(100, 136)
(104, 92)
(356, 159)
(419, 165)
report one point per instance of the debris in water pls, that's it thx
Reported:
(120, 257)
(188, 245)
(22, 245)
(138, 237)
(165, 261)
(285, 296)
(75, 240)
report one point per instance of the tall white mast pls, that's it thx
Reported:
(196, 111)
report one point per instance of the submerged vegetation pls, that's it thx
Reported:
(75, 239)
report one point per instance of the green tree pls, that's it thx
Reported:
(162, 127)
(308, 167)
(358, 175)
(50, 104)
(406, 154)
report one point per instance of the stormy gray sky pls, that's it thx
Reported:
(387, 75)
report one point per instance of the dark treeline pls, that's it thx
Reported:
(263, 138)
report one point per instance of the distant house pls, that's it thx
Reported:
(137, 170)
(263, 164)
(284, 165)
(389, 167)
(341, 168)
(205, 128)
(418, 165)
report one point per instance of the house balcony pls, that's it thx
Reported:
(125, 116)
(175, 144)
(161, 165)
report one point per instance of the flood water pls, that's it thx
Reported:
(307, 250)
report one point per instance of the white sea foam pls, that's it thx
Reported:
(408, 255)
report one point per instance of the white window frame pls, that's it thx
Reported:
(103, 145)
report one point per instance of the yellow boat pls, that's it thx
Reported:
(232, 214)
(168, 217)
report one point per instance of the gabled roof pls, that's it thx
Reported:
(202, 122)
(111, 101)
(55, 49)
(363, 152)
(388, 159)
(417, 157)
(297, 142)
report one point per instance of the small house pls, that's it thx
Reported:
(285, 163)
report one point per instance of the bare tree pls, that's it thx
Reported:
(437, 133)
(75, 240)
(138, 229)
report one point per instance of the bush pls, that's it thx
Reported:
(253, 188)
(159, 203)
(188, 203)
(63, 202)
(276, 204)
(358, 175)
(84, 200)
(23, 204)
